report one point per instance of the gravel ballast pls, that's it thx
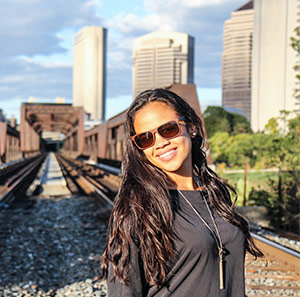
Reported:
(52, 247)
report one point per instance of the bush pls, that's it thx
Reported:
(283, 215)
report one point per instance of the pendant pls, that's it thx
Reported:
(221, 271)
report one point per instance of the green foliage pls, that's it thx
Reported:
(292, 144)
(236, 150)
(255, 178)
(285, 216)
(296, 40)
(218, 145)
(294, 126)
(279, 147)
(240, 191)
(291, 203)
(296, 46)
(272, 126)
(217, 119)
(262, 197)
(259, 149)
(240, 149)
(282, 148)
(239, 124)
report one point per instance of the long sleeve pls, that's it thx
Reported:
(137, 286)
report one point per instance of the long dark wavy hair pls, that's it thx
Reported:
(143, 213)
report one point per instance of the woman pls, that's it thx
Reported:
(174, 230)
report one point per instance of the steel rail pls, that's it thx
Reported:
(110, 169)
(83, 180)
(72, 174)
(279, 252)
(15, 182)
(286, 234)
(11, 168)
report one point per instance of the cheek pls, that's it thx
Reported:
(148, 154)
(186, 148)
(185, 141)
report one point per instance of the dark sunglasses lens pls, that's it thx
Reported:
(169, 130)
(144, 140)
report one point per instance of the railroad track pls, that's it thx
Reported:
(89, 179)
(278, 274)
(285, 234)
(17, 177)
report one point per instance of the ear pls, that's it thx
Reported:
(193, 131)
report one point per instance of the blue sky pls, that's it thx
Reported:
(37, 38)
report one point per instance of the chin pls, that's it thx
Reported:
(171, 169)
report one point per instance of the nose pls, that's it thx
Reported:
(160, 141)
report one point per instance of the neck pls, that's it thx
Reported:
(184, 182)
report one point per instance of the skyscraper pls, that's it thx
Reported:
(161, 59)
(273, 59)
(89, 73)
(236, 60)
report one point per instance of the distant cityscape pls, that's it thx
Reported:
(258, 79)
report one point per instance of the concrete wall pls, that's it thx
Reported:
(273, 59)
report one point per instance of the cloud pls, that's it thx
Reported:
(132, 25)
(30, 27)
(32, 30)
(36, 41)
(201, 19)
(24, 78)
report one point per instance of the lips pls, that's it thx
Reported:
(167, 155)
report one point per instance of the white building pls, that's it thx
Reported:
(161, 59)
(89, 73)
(273, 59)
(236, 60)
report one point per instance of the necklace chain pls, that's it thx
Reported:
(216, 236)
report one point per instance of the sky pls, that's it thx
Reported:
(37, 37)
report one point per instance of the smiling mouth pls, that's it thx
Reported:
(167, 155)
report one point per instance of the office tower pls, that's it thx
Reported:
(236, 61)
(89, 73)
(161, 59)
(273, 59)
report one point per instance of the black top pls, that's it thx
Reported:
(195, 269)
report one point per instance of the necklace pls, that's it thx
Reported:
(217, 237)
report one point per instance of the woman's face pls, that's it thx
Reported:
(173, 156)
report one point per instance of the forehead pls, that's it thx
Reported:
(153, 115)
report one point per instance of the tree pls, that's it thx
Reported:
(218, 145)
(240, 149)
(238, 123)
(217, 119)
(259, 149)
(280, 148)
(283, 152)
(240, 152)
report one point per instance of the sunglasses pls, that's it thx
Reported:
(168, 130)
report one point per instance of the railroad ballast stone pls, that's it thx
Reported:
(52, 249)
